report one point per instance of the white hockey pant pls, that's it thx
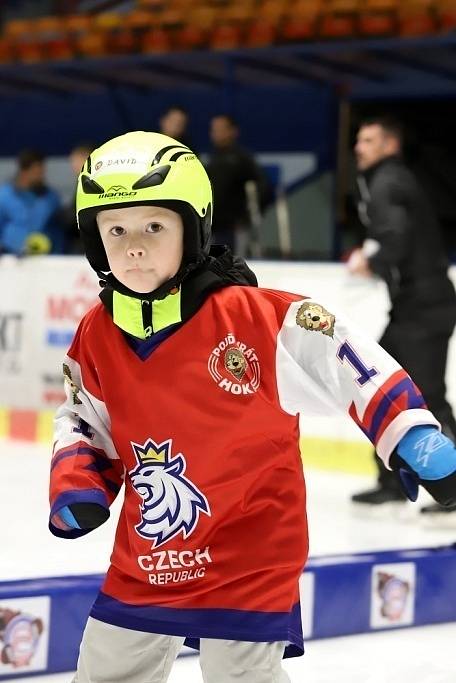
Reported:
(110, 654)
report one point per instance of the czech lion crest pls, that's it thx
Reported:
(171, 503)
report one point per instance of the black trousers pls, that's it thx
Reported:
(422, 352)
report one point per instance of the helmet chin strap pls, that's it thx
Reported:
(110, 281)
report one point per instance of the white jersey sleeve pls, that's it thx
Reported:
(325, 363)
(85, 467)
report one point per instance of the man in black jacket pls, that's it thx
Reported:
(240, 189)
(404, 247)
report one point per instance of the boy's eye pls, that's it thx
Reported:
(154, 227)
(117, 230)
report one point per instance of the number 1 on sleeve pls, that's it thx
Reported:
(347, 352)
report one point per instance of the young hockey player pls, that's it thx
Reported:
(185, 385)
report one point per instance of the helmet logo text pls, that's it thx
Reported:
(117, 191)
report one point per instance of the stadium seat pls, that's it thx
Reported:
(139, 20)
(108, 21)
(171, 18)
(119, 38)
(376, 24)
(18, 28)
(156, 40)
(378, 18)
(446, 12)
(77, 24)
(60, 48)
(203, 17)
(339, 19)
(25, 43)
(191, 37)
(30, 51)
(6, 51)
(123, 42)
(49, 27)
(273, 11)
(416, 18)
(91, 44)
(261, 33)
(239, 14)
(225, 37)
(301, 20)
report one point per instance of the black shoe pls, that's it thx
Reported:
(379, 496)
(435, 508)
(438, 516)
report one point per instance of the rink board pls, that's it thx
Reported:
(340, 595)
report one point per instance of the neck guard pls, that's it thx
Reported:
(143, 317)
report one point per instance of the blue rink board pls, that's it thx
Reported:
(341, 595)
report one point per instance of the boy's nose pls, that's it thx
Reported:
(135, 252)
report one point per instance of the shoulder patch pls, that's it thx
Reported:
(314, 318)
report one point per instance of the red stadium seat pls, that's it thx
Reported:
(92, 44)
(139, 20)
(378, 18)
(377, 24)
(49, 27)
(339, 19)
(171, 18)
(6, 51)
(108, 21)
(60, 48)
(156, 40)
(191, 37)
(16, 27)
(123, 42)
(301, 20)
(261, 33)
(77, 24)
(446, 12)
(203, 17)
(239, 14)
(119, 37)
(30, 52)
(416, 18)
(338, 26)
(273, 11)
(225, 37)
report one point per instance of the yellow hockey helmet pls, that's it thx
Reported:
(145, 168)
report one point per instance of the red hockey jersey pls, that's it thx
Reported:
(212, 537)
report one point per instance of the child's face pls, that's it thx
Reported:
(144, 245)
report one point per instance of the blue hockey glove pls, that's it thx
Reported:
(427, 457)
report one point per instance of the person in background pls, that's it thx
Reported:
(404, 247)
(30, 210)
(77, 158)
(233, 171)
(174, 123)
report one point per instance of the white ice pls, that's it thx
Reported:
(421, 655)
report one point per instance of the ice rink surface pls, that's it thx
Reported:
(419, 655)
